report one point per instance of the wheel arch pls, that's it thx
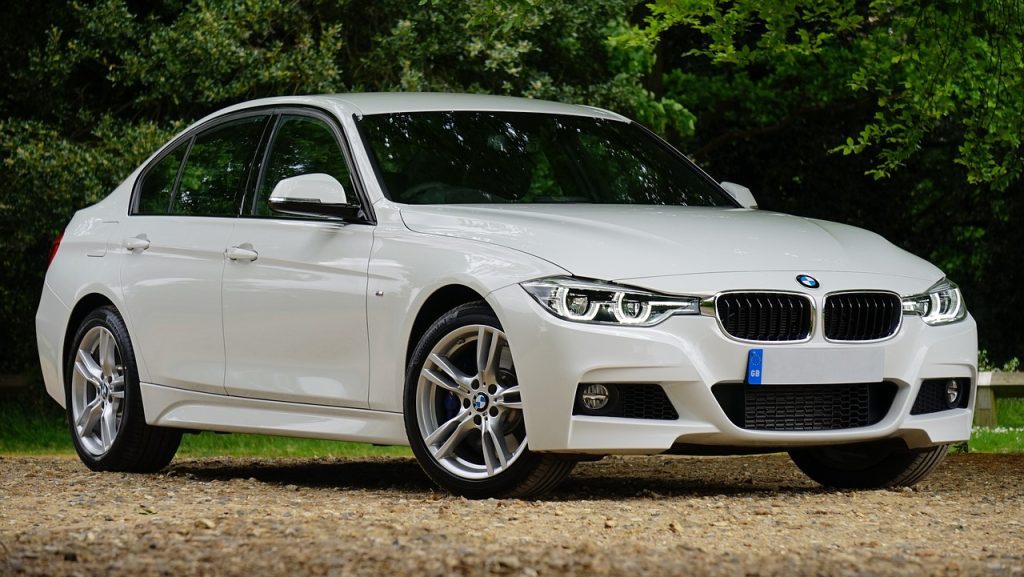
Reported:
(437, 304)
(83, 307)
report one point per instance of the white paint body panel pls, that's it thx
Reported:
(172, 293)
(295, 318)
(317, 328)
(613, 242)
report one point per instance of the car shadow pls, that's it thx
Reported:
(397, 474)
(654, 477)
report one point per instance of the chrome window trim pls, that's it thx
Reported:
(899, 324)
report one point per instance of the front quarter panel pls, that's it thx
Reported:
(405, 269)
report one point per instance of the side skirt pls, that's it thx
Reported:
(178, 408)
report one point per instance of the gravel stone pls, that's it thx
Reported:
(637, 516)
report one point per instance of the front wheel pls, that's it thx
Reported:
(868, 466)
(464, 411)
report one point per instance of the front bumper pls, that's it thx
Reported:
(687, 355)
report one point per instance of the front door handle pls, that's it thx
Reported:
(242, 252)
(136, 243)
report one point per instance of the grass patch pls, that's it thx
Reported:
(1008, 437)
(33, 429)
(208, 444)
(1010, 412)
(997, 440)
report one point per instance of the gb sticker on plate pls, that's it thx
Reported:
(755, 366)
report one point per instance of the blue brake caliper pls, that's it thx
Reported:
(451, 405)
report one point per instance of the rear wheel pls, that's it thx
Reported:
(464, 411)
(868, 466)
(104, 404)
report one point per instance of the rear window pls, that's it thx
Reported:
(158, 183)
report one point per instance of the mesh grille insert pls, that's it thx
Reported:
(768, 317)
(862, 316)
(805, 407)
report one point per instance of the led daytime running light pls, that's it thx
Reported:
(940, 305)
(599, 302)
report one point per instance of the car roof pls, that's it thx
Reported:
(367, 103)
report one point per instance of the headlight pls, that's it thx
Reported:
(607, 303)
(941, 305)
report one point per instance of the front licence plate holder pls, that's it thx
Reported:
(809, 366)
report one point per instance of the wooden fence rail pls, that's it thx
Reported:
(991, 386)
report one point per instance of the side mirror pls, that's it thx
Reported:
(315, 194)
(741, 193)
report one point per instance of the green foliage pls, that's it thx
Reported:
(47, 177)
(172, 64)
(986, 364)
(931, 70)
(533, 48)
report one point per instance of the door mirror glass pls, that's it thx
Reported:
(315, 194)
(741, 193)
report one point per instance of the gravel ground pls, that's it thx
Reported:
(625, 515)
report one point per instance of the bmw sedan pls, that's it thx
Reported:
(508, 286)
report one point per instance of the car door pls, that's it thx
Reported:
(182, 214)
(295, 300)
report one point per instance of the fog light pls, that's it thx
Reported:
(595, 397)
(953, 392)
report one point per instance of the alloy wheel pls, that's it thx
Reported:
(97, 391)
(469, 405)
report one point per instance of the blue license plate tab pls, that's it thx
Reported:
(755, 366)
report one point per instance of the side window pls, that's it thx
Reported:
(302, 145)
(158, 184)
(214, 177)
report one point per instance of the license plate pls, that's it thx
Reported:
(815, 366)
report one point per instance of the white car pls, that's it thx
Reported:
(509, 286)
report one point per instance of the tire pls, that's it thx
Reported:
(104, 405)
(868, 466)
(463, 411)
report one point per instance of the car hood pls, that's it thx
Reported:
(614, 242)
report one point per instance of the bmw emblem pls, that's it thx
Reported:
(480, 402)
(807, 280)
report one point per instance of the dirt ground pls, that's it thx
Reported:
(620, 516)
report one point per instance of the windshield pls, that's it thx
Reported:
(468, 157)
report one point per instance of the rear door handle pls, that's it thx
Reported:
(242, 252)
(136, 243)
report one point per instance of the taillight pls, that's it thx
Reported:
(53, 250)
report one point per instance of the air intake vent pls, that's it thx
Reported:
(931, 397)
(805, 407)
(767, 317)
(867, 316)
(631, 401)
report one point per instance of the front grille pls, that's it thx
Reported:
(805, 407)
(632, 401)
(931, 398)
(866, 316)
(768, 317)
